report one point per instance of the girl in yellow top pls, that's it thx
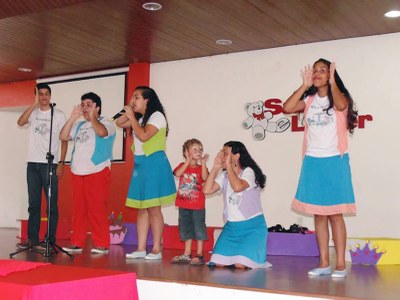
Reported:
(152, 183)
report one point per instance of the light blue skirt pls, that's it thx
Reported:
(152, 183)
(243, 242)
(325, 186)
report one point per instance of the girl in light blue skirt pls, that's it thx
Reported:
(243, 240)
(152, 183)
(325, 188)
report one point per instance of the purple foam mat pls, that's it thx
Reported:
(131, 235)
(296, 244)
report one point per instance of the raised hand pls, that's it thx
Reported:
(332, 69)
(188, 156)
(36, 96)
(219, 158)
(204, 158)
(128, 112)
(228, 158)
(94, 113)
(76, 112)
(306, 73)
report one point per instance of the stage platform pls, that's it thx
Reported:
(287, 279)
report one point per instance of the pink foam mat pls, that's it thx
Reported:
(11, 266)
(66, 282)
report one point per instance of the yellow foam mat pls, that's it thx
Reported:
(373, 251)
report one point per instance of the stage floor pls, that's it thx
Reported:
(287, 276)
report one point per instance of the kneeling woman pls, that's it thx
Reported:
(243, 240)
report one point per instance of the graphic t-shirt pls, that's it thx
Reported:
(243, 205)
(190, 189)
(85, 147)
(322, 139)
(39, 136)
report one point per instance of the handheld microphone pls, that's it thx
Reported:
(116, 116)
(52, 104)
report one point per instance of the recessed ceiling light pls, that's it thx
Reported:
(393, 14)
(223, 42)
(152, 6)
(24, 70)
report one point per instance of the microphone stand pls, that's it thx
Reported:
(50, 158)
(48, 244)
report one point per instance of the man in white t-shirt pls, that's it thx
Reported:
(38, 118)
(91, 175)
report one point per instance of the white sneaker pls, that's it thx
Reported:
(153, 256)
(72, 248)
(136, 254)
(99, 250)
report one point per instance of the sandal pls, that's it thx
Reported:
(181, 259)
(198, 260)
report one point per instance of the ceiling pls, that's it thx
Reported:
(60, 37)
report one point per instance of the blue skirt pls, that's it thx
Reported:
(152, 183)
(243, 242)
(325, 186)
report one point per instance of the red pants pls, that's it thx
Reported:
(89, 202)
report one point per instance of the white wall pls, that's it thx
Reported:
(205, 98)
(13, 189)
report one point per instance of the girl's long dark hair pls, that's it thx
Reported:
(246, 160)
(352, 112)
(153, 105)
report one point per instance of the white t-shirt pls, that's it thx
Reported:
(158, 120)
(39, 135)
(84, 142)
(245, 204)
(322, 138)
